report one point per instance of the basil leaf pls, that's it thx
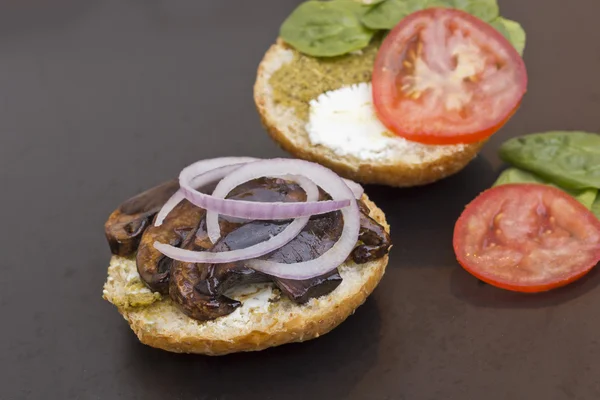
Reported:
(511, 30)
(515, 175)
(326, 29)
(570, 159)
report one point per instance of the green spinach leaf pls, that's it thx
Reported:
(327, 29)
(387, 14)
(336, 27)
(515, 175)
(596, 207)
(486, 10)
(584, 196)
(511, 30)
(369, 2)
(570, 159)
(358, 7)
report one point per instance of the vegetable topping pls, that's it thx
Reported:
(527, 238)
(515, 175)
(528, 233)
(338, 27)
(343, 198)
(326, 29)
(444, 77)
(568, 158)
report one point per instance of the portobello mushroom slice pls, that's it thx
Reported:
(317, 237)
(191, 284)
(207, 300)
(153, 266)
(210, 283)
(184, 277)
(374, 241)
(125, 226)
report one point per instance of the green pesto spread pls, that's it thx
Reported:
(131, 292)
(305, 77)
(138, 295)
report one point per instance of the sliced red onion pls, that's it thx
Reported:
(168, 207)
(208, 171)
(356, 188)
(329, 182)
(212, 218)
(205, 166)
(257, 250)
(255, 210)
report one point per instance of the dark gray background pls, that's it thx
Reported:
(101, 99)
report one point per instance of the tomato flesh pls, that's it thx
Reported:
(527, 238)
(443, 76)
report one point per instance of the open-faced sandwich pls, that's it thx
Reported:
(280, 251)
(394, 92)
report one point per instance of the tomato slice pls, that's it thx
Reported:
(442, 76)
(527, 238)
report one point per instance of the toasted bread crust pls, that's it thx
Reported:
(296, 326)
(291, 136)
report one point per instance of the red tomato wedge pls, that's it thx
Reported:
(527, 238)
(442, 76)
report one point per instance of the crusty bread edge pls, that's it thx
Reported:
(398, 174)
(295, 329)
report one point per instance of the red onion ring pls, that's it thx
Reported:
(212, 218)
(329, 182)
(207, 166)
(356, 188)
(168, 207)
(235, 171)
(208, 171)
(257, 250)
(255, 210)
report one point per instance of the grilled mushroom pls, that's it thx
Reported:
(375, 241)
(125, 226)
(184, 277)
(154, 267)
(199, 289)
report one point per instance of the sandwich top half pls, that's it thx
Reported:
(394, 82)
